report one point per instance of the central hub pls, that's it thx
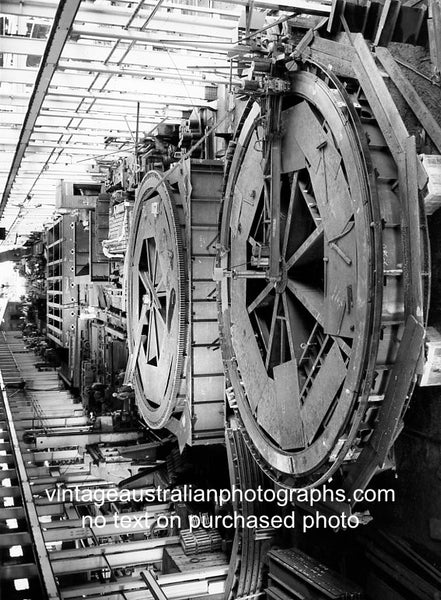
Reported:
(147, 299)
(283, 278)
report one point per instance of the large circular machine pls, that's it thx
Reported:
(175, 364)
(157, 300)
(321, 258)
(321, 310)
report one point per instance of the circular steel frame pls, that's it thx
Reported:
(156, 301)
(333, 297)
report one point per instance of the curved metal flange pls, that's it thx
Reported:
(245, 576)
(156, 301)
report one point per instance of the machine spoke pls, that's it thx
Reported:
(312, 246)
(138, 337)
(147, 283)
(296, 328)
(272, 333)
(311, 298)
(293, 198)
(260, 297)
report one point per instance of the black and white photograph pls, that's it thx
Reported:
(220, 300)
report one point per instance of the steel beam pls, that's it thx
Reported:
(63, 21)
(7, 459)
(159, 74)
(133, 85)
(153, 585)
(42, 471)
(202, 590)
(137, 522)
(133, 36)
(118, 16)
(9, 492)
(13, 512)
(50, 422)
(117, 110)
(70, 130)
(19, 538)
(20, 571)
(40, 486)
(46, 9)
(7, 473)
(117, 98)
(409, 93)
(54, 177)
(34, 146)
(82, 560)
(177, 99)
(36, 196)
(83, 439)
(58, 168)
(134, 583)
(51, 456)
(147, 120)
(136, 57)
(45, 510)
(83, 495)
(149, 511)
(101, 15)
(307, 6)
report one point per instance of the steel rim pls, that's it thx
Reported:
(350, 344)
(156, 301)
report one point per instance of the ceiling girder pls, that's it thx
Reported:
(63, 21)
(71, 130)
(118, 16)
(118, 97)
(48, 115)
(77, 103)
(36, 147)
(106, 15)
(163, 73)
(86, 51)
(128, 111)
(81, 80)
(102, 116)
(137, 36)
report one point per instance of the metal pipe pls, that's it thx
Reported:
(156, 74)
